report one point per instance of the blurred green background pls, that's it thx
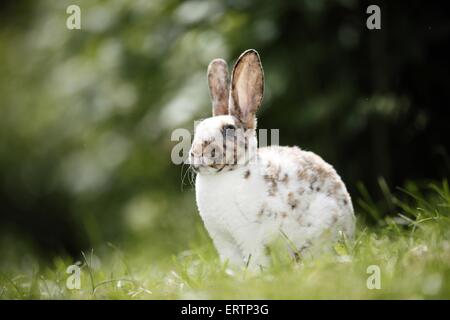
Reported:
(87, 115)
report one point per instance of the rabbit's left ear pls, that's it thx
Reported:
(218, 86)
(247, 88)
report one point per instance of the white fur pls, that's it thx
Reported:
(229, 205)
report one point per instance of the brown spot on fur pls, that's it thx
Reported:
(247, 174)
(313, 181)
(334, 189)
(273, 171)
(303, 175)
(322, 173)
(285, 179)
(273, 187)
(271, 176)
(334, 218)
(206, 143)
(283, 214)
(300, 220)
(292, 201)
(314, 171)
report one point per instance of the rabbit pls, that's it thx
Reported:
(248, 196)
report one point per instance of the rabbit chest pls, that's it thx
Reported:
(229, 202)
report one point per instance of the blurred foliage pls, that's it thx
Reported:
(86, 115)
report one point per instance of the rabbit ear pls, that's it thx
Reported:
(247, 88)
(218, 86)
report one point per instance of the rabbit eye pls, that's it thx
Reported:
(227, 128)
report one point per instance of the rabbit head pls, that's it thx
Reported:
(228, 138)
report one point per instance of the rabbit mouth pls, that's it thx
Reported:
(208, 169)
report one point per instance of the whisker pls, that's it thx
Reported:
(192, 176)
(183, 176)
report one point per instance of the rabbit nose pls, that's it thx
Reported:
(196, 151)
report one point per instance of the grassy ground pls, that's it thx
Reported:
(411, 250)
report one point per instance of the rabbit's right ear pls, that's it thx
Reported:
(218, 86)
(247, 88)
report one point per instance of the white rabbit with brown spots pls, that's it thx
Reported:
(249, 196)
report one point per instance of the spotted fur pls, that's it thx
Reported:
(260, 195)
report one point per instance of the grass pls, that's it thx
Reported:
(411, 248)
